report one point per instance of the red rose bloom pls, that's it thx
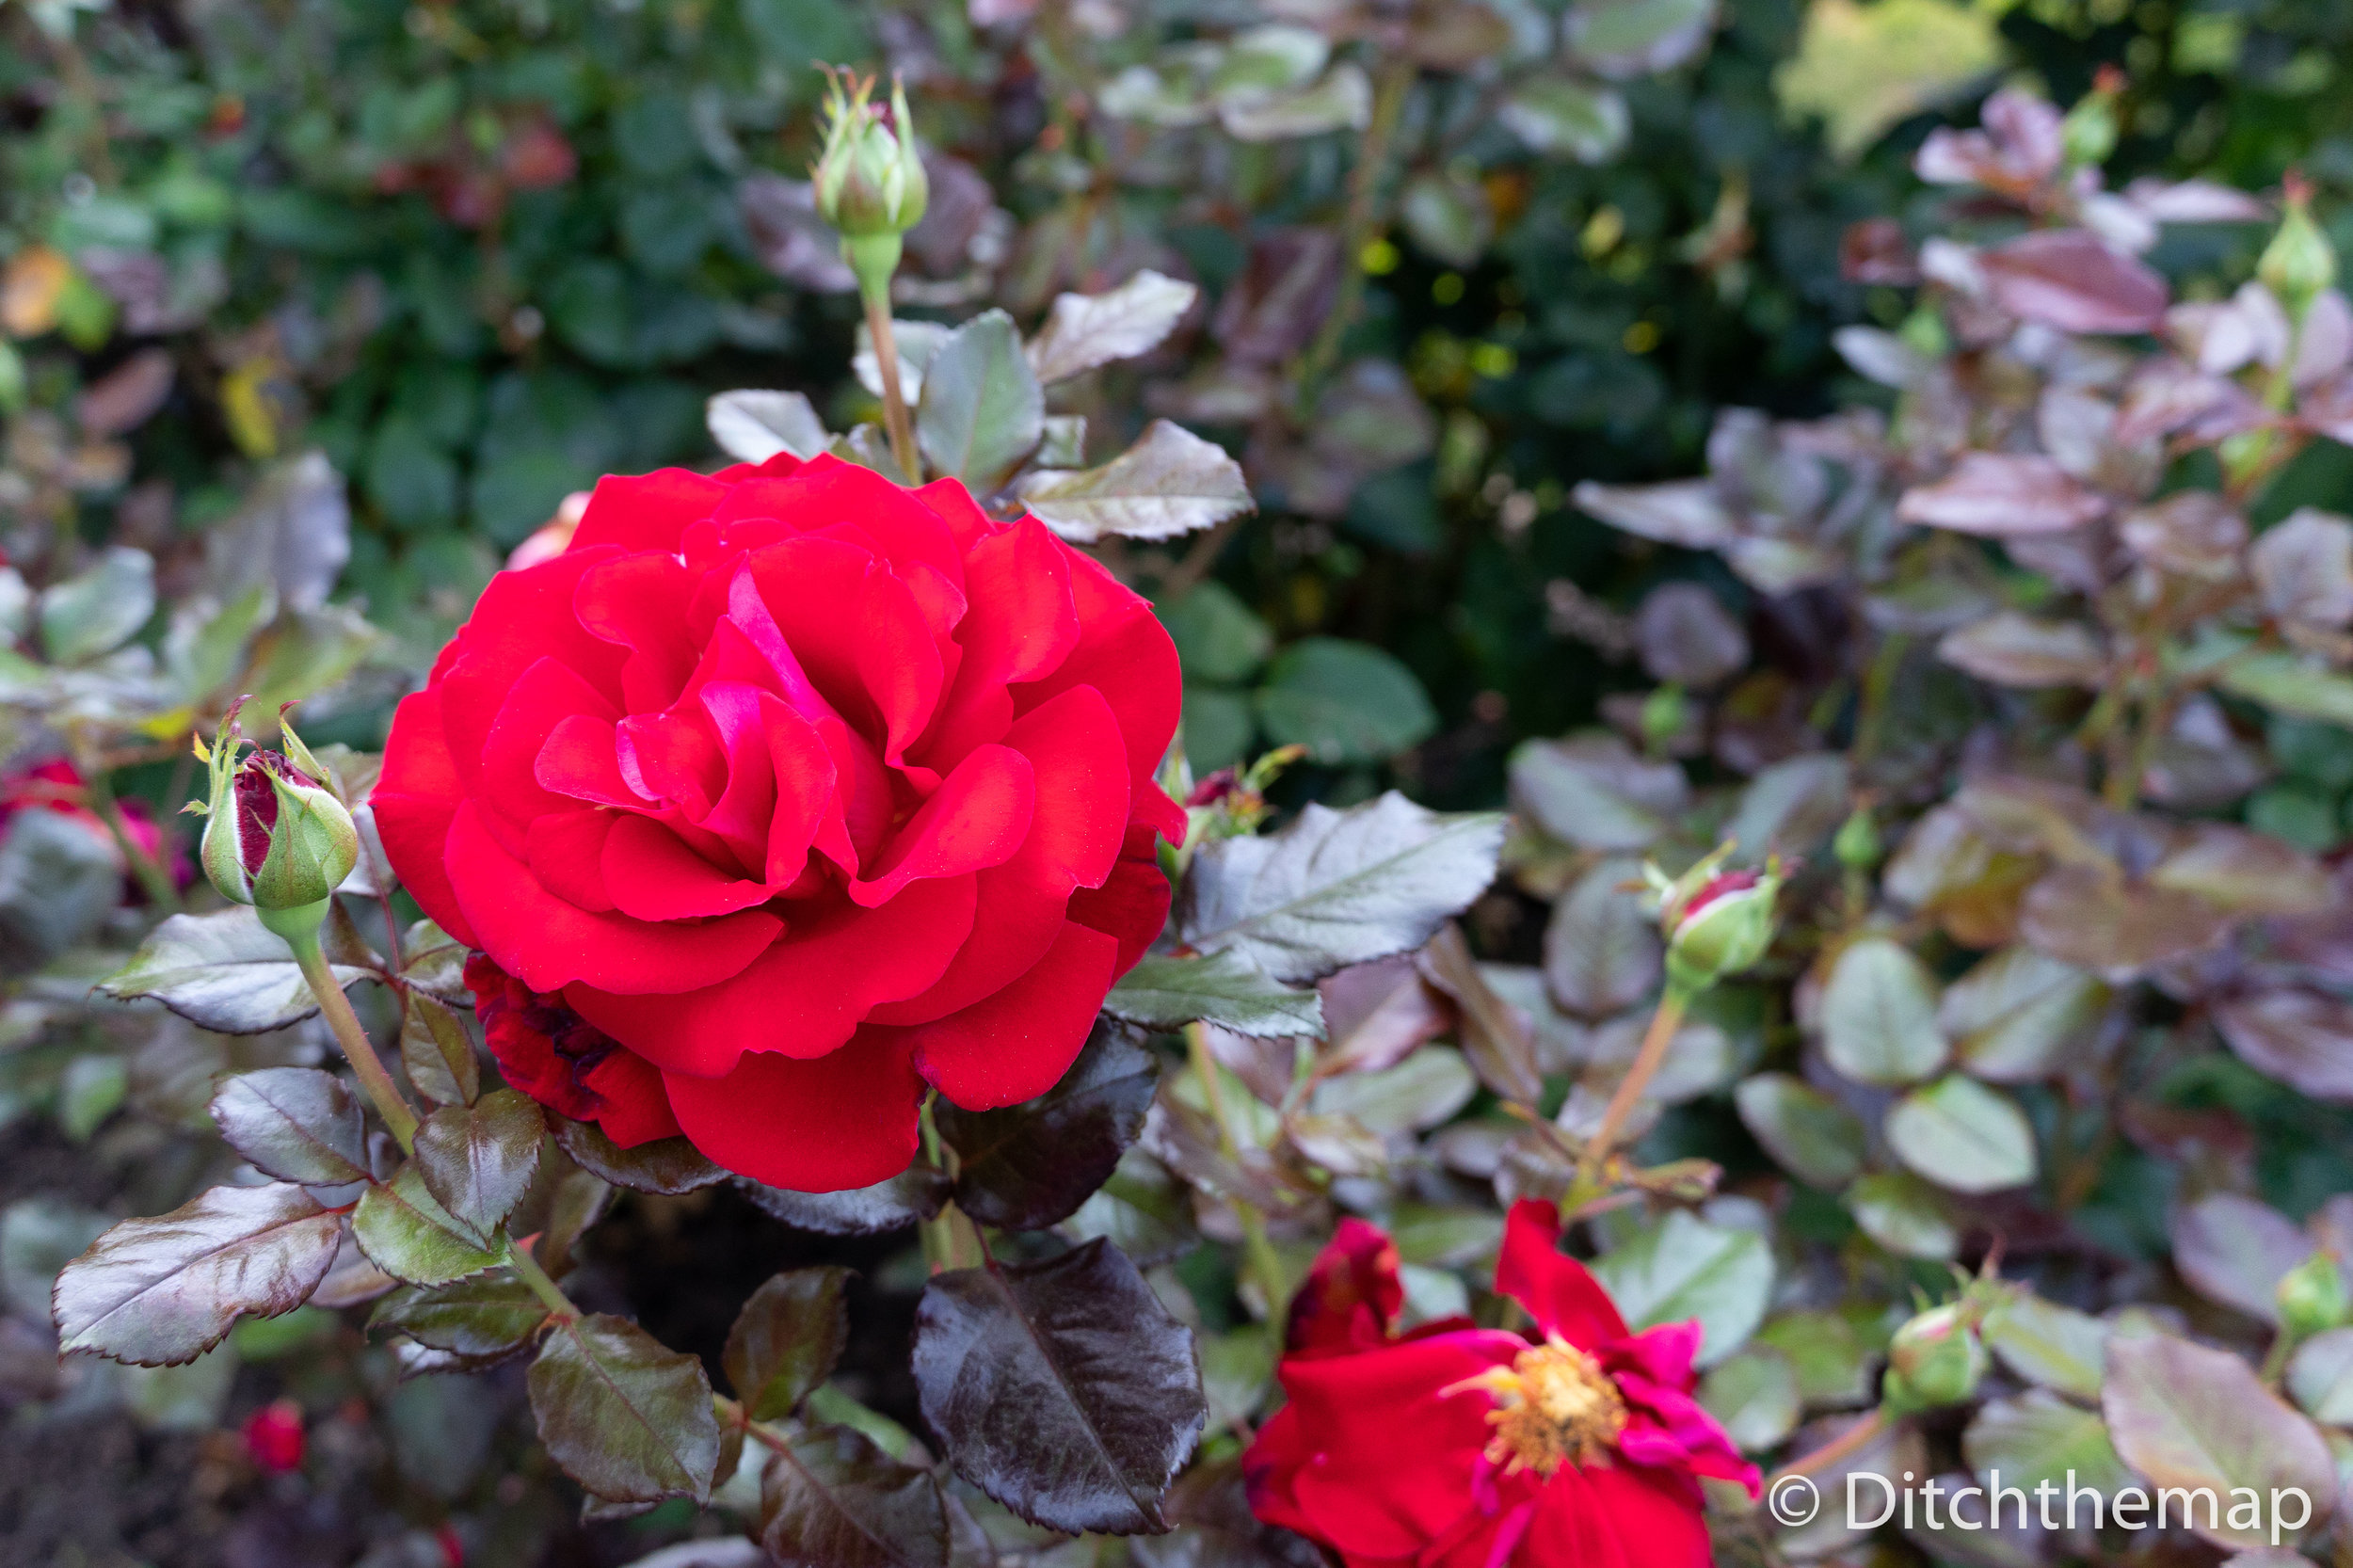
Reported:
(1458, 1447)
(782, 793)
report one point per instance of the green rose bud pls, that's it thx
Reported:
(2089, 131)
(2312, 1296)
(2299, 264)
(1937, 1358)
(1858, 846)
(275, 836)
(870, 181)
(1715, 922)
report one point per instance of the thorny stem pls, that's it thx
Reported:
(1389, 93)
(1263, 1260)
(732, 1413)
(1847, 1442)
(1656, 1039)
(903, 448)
(382, 1091)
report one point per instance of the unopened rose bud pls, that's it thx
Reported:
(1857, 845)
(870, 181)
(273, 1437)
(275, 836)
(1715, 922)
(1938, 1358)
(2089, 131)
(2299, 264)
(2312, 1296)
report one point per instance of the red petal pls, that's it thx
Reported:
(801, 998)
(651, 875)
(549, 944)
(828, 492)
(521, 617)
(413, 801)
(646, 511)
(1619, 1516)
(636, 1107)
(959, 511)
(542, 697)
(564, 850)
(844, 1120)
(639, 602)
(1124, 654)
(1017, 1045)
(1131, 906)
(976, 819)
(581, 760)
(1352, 1295)
(1556, 1288)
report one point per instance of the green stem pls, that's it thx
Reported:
(542, 1283)
(1854, 1438)
(381, 1091)
(1389, 93)
(1656, 1039)
(895, 420)
(151, 873)
(1264, 1261)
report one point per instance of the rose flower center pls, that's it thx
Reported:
(1554, 1405)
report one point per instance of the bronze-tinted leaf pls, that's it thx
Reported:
(2090, 917)
(1032, 1165)
(627, 1418)
(297, 1123)
(2067, 279)
(159, 1292)
(490, 1313)
(1495, 1038)
(1688, 637)
(2234, 1250)
(832, 1499)
(1063, 1389)
(2186, 1416)
(436, 1053)
(1377, 1014)
(668, 1166)
(2015, 1016)
(1602, 953)
(477, 1160)
(407, 1233)
(2304, 1038)
(2001, 495)
(2011, 649)
(914, 1194)
(1593, 791)
(787, 1339)
(1813, 1137)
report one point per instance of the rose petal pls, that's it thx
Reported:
(413, 801)
(646, 511)
(977, 818)
(652, 875)
(1018, 1044)
(845, 1120)
(1558, 1291)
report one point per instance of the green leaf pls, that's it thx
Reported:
(1963, 1136)
(1163, 991)
(405, 1232)
(1028, 1166)
(1420, 1092)
(832, 1499)
(1684, 1268)
(752, 426)
(39, 1236)
(1619, 39)
(436, 1053)
(89, 1090)
(1878, 1014)
(1087, 330)
(297, 1124)
(2290, 683)
(1602, 953)
(1866, 67)
(1344, 701)
(492, 1314)
(2012, 1017)
(97, 610)
(160, 1292)
(2187, 1416)
(787, 1339)
(224, 972)
(2037, 1436)
(1904, 1214)
(2052, 1345)
(2321, 1376)
(982, 411)
(1560, 116)
(1171, 482)
(1592, 790)
(477, 1160)
(1754, 1396)
(1218, 637)
(1833, 1362)
(914, 1194)
(667, 1166)
(1063, 1389)
(2234, 1250)
(1338, 887)
(1813, 1137)
(628, 1419)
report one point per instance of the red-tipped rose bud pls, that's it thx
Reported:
(273, 1437)
(275, 836)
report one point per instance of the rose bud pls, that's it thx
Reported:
(1715, 922)
(275, 836)
(870, 181)
(2089, 131)
(2299, 264)
(273, 1435)
(2312, 1296)
(1936, 1359)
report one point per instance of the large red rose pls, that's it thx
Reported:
(804, 791)
(1458, 1447)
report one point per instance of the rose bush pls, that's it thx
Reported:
(1452, 1446)
(802, 792)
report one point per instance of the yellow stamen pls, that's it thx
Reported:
(1553, 1405)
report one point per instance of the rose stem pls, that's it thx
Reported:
(895, 419)
(378, 1083)
(1838, 1448)
(1264, 1261)
(150, 875)
(1656, 1040)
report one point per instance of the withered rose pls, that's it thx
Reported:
(802, 791)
